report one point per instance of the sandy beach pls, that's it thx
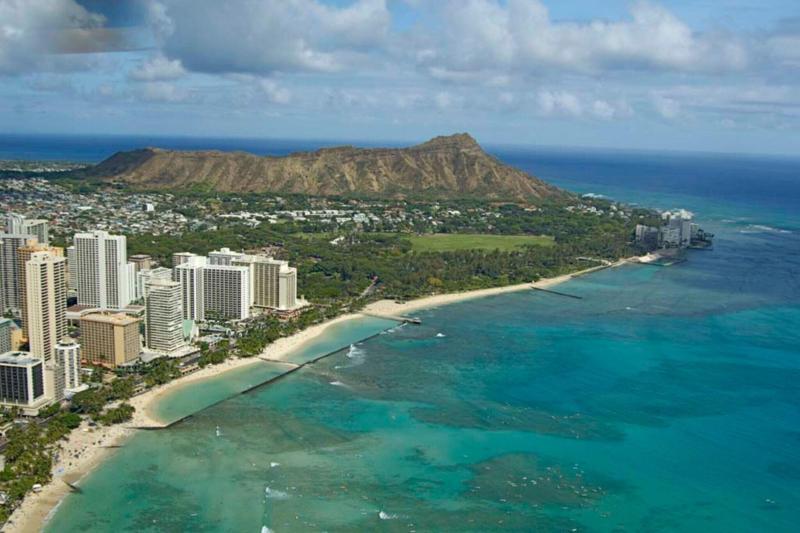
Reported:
(86, 447)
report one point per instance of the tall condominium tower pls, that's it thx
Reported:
(68, 359)
(46, 281)
(72, 268)
(24, 254)
(10, 243)
(102, 270)
(226, 292)
(164, 315)
(21, 225)
(145, 276)
(273, 283)
(189, 274)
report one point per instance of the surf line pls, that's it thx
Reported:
(270, 381)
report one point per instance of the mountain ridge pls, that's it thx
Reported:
(444, 166)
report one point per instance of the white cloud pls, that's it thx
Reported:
(245, 36)
(275, 93)
(158, 68)
(555, 103)
(520, 36)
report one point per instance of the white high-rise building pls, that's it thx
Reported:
(223, 256)
(287, 287)
(68, 359)
(189, 273)
(164, 316)
(46, 293)
(226, 291)
(72, 268)
(10, 243)
(102, 270)
(22, 225)
(144, 276)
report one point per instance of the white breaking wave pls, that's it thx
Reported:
(337, 383)
(768, 229)
(273, 465)
(356, 355)
(383, 515)
(265, 529)
(273, 494)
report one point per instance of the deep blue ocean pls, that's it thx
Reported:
(668, 399)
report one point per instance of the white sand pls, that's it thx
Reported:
(87, 447)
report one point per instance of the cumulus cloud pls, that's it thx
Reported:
(158, 68)
(244, 36)
(520, 35)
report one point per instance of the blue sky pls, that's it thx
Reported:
(715, 75)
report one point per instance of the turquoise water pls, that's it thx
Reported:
(668, 399)
(197, 396)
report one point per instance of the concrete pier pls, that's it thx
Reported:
(396, 318)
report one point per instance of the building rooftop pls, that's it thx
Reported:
(18, 358)
(117, 319)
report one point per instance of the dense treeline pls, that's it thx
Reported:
(329, 273)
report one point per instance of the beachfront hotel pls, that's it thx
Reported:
(226, 292)
(164, 316)
(102, 270)
(22, 381)
(110, 339)
(189, 273)
(273, 283)
(46, 296)
(68, 360)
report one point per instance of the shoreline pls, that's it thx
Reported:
(86, 448)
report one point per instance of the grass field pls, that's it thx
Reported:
(449, 242)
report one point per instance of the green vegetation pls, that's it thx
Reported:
(29, 454)
(117, 415)
(92, 401)
(451, 242)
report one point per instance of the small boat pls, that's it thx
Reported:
(219, 433)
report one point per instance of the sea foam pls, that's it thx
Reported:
(274, 494)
